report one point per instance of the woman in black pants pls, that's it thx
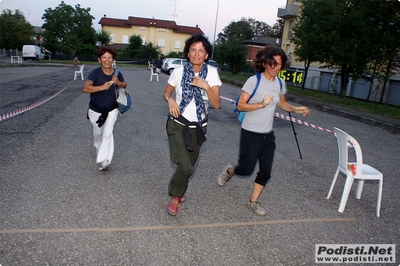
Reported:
(257, 140)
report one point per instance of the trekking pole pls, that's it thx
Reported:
(295, 135)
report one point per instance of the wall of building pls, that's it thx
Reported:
(167, 39)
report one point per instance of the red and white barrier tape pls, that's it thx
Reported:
(286, 117)
(22, 110)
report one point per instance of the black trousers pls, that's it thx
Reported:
(253, 147)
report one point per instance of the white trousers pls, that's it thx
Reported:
(103, 136)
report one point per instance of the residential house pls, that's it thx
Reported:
(257, 43)
(169, 36)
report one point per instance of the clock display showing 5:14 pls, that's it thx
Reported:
(291, 76)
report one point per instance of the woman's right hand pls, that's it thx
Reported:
(173, 108)
(106, 85)
(267, 100)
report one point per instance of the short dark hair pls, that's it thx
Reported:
(266, 56)
(106, 49)
(194, 39)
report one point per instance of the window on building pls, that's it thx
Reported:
(142, 28)
(290, 29)
(143, 40)
(177, 44)
(162, 29)
(112, 37)
(288, 49)
(161, 42)
(125, 39)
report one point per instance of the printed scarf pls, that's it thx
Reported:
(189, 91)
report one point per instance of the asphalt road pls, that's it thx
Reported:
(56, 208)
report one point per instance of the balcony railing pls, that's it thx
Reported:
(288, 11)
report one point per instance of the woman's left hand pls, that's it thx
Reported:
(116, 81)
(199, 82)
(302, 110)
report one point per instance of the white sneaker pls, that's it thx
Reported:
(223, 177)
(105, 166)
(255, 206)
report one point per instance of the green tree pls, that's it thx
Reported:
(103, 37)
(174, 54)
(135, 42)
(341, 39)
(69, 30)
(233, 53)
(240, 30)
(259, 28)
(149, 51)
(385, 41)
(305, 41)
(229, 49)
(277, 29)
(15, 31)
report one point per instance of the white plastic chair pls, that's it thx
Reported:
(80, 71)
(153, 73)
(361, 172)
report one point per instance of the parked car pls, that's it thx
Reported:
(32, 52)
(171, 63)
(212, 63)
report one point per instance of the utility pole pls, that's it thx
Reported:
(215, 30)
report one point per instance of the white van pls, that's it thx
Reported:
(32, 52)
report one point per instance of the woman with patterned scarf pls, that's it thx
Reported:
(195, 84)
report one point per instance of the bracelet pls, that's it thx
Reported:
(166, 98)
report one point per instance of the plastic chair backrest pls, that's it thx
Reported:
(341, 137)
(359, 156)
(345, 141)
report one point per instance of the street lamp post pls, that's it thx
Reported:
(39, 33)
(215, 30)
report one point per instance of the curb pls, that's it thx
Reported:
(394, 129)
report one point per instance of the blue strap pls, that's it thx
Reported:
(258, 75)
(258, 82)
(280, 84)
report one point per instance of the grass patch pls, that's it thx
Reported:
(372, 107)
(240, 76)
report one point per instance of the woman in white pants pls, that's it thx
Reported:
(103, 107)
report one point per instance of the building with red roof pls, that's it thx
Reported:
(165, 33)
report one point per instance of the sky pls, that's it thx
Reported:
(210, 15)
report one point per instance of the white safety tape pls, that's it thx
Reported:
(22, 110)
(286, 117)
